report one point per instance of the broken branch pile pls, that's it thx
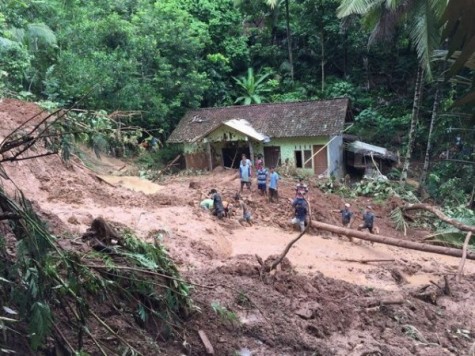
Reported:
(76, 302)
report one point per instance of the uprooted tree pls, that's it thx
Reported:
(60, 300)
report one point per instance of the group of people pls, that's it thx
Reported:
(300, 202)
(263, 177)
(221, 208)
(347, 218)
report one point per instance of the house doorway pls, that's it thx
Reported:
(232, 155)
(320, 162)
(272, 156)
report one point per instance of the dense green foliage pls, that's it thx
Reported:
(160, 58)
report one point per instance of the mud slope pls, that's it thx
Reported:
(317, 305)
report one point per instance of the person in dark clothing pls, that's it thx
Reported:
(218, 209)
(368, 220)
(301, 187)
(301, 210)
(346, 217)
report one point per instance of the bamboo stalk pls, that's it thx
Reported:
(464, 257)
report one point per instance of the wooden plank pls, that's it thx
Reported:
(204, 339)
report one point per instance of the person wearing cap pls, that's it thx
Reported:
(301, 210)
(217, 204)
(346, 215)
(301, 187)
(368, 220)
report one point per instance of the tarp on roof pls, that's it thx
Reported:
(244, 127)
(366, 149)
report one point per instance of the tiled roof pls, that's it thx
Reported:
(296, 119)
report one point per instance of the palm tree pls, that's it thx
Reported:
(36, 39)
(252, 88)
(273, 4)
(422, 19)
(460, 34)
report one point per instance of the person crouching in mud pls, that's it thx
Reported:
(246, 214)
(218, 208)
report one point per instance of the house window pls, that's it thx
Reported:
(303, 159)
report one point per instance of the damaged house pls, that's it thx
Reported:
(368, 160)
(304, 135)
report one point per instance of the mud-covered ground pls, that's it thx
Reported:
(319, 304)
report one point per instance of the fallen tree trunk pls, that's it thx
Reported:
(392, 241)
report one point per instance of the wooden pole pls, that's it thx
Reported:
(325, 145)
(210, 157)
(392, 241)
(464, 256)
(251, 151)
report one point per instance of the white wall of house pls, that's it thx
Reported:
(335, 157)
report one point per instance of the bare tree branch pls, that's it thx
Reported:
(440, 215)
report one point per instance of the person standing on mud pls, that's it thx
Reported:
(262, 179)
(273, 185)
(260, 161)
(368, 220)
(301, 211)
(246, 213)
(245, 172)
(217, 203)
(346, 217)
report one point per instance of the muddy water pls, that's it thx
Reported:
(133, 183)
(313, 253)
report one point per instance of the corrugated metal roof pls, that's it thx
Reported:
(297, 119)
(368, 149)
(245, 128)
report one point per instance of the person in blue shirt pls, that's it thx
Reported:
(245, 172)
(262, 179)
(301, 211)
(273, 185)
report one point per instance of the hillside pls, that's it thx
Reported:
(317, 303)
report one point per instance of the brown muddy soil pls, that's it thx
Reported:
(321, 304)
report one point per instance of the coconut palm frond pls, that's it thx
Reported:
(273, 3)
(5, 43)
(40, 34)
(16, 34)
(351, 7)
(424, 31)
(400, 222)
